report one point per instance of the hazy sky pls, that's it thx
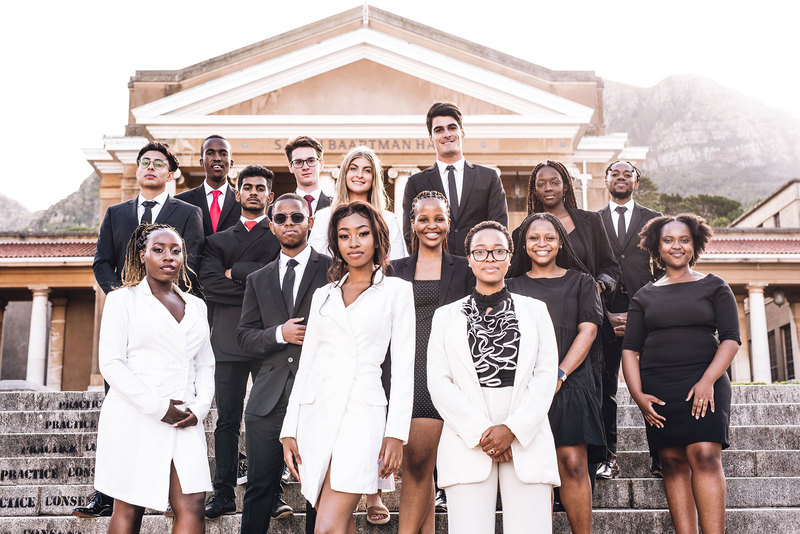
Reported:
(66, 65)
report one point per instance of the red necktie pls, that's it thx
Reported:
(215, 211)
(309, 199)
(249, 225)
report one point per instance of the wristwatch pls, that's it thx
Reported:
(562, 374)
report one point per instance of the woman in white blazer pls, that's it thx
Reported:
(156, 356)
(492, 361)
(362, 180)
(338, 437)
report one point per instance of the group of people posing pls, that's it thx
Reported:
(441, 345)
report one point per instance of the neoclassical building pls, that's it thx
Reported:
(364, 76)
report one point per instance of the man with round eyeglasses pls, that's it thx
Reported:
(305, 161)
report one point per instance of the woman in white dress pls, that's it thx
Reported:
(338, 437)
(156, 356)
(492, 361)
(360, 178)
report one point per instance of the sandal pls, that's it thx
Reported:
(381, 511)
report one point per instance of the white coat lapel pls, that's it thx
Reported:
(526, 356)
(459, 342)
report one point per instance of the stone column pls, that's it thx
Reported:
(740, 368)
(328, 175)
(37, 339)
(55, 361)
(758, 332)
(584, 179)
(96, 379)
(399, 177)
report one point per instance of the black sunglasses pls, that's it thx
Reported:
(296, 216)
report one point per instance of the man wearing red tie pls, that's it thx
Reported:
(230, 256)
(215, 198)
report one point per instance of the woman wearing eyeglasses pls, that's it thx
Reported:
(338, 436)
(492, 380)
(361, 178)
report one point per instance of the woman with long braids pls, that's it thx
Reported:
(156, 355)
(574, 306)
(361, 178)
(550, 190)
(338, 437)
(438, 278)
(492, 361)
(681, 335)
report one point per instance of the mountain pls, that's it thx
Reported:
(15, 215)
(705, 138)
(78, 211)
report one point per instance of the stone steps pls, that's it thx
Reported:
(739, 521)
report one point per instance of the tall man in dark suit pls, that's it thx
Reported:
(215, 198)
(230, 256)
(156, 166)
(276, 304)
(475, 193)
(622, 220)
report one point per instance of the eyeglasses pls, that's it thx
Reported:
(157, 163)
(298, 163)
(498, 254)
(296, 216)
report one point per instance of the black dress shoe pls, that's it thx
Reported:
(609, 469)
(100, 505)
(219, 505)
(440, 503)
(655, 467)
(558, 507)
(280, 509)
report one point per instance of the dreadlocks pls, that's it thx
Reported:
(133, 270)
(413, 215)
(636, 171)
(534, 204)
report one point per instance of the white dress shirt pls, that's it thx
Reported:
(612, 206)
(299, 269)
(459, 174)
(210, 194)
(315, 193)
(155, 210)
(258, 219)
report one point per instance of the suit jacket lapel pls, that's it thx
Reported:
(434, 179)
(274, 288)
(608, 226)
(446, 277)
(245, 238)
(309, 274)
(227, 206)
(633, 227)
(525, 355)
(410, 268)
(323, 202)
(458, 336)
(132, 214)
(168, 207)
(469, 181)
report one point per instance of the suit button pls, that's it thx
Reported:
(622, 256)
(456, 230)
(290, 360)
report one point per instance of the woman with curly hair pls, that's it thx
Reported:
(156, 355)
(681, 336)
(338, 437)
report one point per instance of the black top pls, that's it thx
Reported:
(493, 337)
(675, 325)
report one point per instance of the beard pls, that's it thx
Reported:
(621, 194)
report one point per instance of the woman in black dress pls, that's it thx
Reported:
(438, 278)
(550, 190)
(681, 336)
(574, 306)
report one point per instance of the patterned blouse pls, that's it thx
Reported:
(493, 337)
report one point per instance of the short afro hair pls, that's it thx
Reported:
(488, 225)
(650, 236)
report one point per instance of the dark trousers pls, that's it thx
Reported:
(612, 356)
(230, 380)
(265, 467)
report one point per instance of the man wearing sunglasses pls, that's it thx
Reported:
(231, 255)
(277, 301)
(305, 161)
(156, 165)
(215, 198)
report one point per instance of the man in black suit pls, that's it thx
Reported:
(230, 256)
(305, 161)
(156, 165)
(475, 193)
(622, 220)
(215, 198)
(276, 305)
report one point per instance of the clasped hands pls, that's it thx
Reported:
(496, 442)
(702, 391)
(179, 418)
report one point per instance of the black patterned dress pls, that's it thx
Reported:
(426, 300)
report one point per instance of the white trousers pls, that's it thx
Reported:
(527, 508)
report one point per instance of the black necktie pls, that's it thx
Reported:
(288, 286)
(147, 216)
(452, 192)
(621, 223)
